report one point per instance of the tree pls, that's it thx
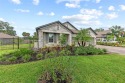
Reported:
(110, 37)
(121, 40)
(62, 39)
(82, 37)
(99, 29)
(35, 36)
(25, 34)
(6, 28)
(116, 30)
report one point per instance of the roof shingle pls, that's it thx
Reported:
(3, 35)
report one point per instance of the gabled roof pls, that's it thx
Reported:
(74, 31)
(53, 23)
(3, 35)
(102, 33)
(93, 31)
(71, 30)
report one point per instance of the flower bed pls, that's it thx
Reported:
(27, 55)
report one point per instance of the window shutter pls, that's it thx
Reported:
(55, 38)
(47, 38)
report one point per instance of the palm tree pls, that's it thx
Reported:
(116, 30)
(82, 37)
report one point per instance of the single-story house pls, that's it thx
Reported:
(102, 36)
(48, 34)
(6, 39)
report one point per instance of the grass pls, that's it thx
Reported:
(6, 52)
(89, 69)
(4, 47)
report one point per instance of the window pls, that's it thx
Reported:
(51, 37)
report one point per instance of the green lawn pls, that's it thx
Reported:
(89, 69)
(4, 47)
(2, 52)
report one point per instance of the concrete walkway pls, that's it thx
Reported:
(119, 50)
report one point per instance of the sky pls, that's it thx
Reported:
(26, 15)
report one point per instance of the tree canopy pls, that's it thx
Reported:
(26, 34)
(62, 39)
(82, 37)
(116, 30)
(5, 27)
(99, 29)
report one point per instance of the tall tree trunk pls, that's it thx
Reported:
(79, 43)
(84, 44)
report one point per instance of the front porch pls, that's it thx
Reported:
(50, 39)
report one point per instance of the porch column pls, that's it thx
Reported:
(40, 39)
(95, 41)
(70, 39)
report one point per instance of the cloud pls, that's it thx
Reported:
(1, 19)
(88, 23)
(86, 17)
(111, 8)
(36, 2)
(76, 1)
(16, 1)
(100, 7)
(22, 10)
(78, 17)
(122, 7)
(40, 13)
(98, 1)
(112, 15)
(91, 12)
(52, 14)
(72, 5)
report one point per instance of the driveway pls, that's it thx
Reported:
(119, 50)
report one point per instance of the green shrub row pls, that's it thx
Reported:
(89, 50)
(107, 44)
(25, 55)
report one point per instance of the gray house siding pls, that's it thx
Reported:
(54, 30)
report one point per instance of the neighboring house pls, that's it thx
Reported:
(102, 36)
(6, 39)
(48, 35)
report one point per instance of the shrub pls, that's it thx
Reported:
(64, 52)
(108, 43)
(26, 58)
(12, 59)
(104, 50)
(2, 58)
(88, 50)
(22, 52)
(17, 54)
(67, 52)
(80, 51)
(39, 56)
(51, 54)
(25, 51)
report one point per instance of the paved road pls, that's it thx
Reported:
(119, 50)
